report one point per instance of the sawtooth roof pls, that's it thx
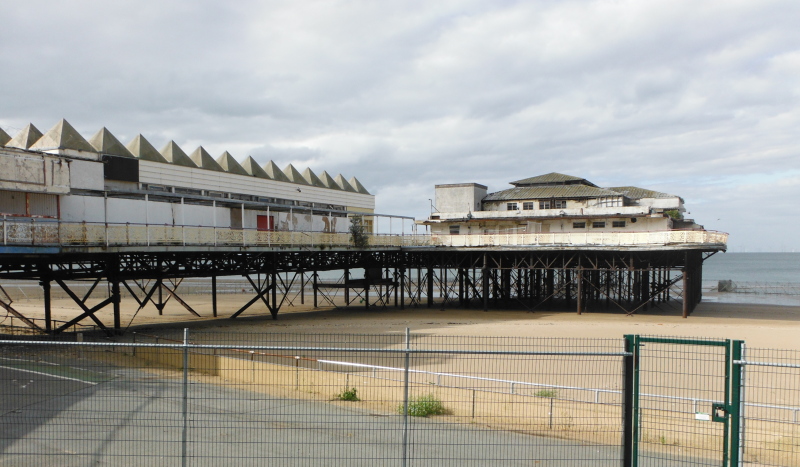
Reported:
(312, 178)
(25, 138)
(275, 173)
(175, 155)
(143, 150)
(64, 136)
(294, 176)
(252, 168)
(346, 186)
(106, 143)
(329, 182)
(203, 159)
(358, 186)
(230, 165)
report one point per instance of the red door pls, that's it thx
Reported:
(265, 222)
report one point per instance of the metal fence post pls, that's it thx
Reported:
(736, 404)
(185, 393)
(629, 403)
(405, 398)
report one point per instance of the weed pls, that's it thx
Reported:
(546, 393)
(349, 394)
(423, 406)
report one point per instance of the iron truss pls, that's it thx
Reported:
(630, 280)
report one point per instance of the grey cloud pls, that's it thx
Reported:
(678, 95)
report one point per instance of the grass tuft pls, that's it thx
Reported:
(349, 394)
(424, 406)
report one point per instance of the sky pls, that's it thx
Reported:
(698, 99)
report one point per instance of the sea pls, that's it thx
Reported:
(759, 278)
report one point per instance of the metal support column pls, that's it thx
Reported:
(402, 288)
(214, 295)
(48, 320)
(430, 287)
(315, 288)
(580, 291)
(485, 278)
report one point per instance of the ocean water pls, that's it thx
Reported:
(774, 276)
(753, 267)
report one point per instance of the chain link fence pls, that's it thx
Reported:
(393, 399)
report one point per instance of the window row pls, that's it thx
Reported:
(598, 224)
(543, 204)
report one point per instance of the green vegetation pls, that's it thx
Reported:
(423, 406)
(358, 234)
(546, 393)
(349, 394)
(674, 213)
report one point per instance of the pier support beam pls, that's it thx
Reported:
(580, 292)
(214, 296)
(48, 318)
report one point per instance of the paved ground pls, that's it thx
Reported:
(69, 416)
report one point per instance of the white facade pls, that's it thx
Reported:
(60, 175)
(555, 203)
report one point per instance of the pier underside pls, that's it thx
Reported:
(578, 280)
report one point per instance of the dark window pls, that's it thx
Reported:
(455, 229)
(598, 225)
(511, 206)
(124, 169)
(560, 204)
(617, 224)
(579, 225)
(544, 204)
(527, 206)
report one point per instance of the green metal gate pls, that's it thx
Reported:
(682, 402)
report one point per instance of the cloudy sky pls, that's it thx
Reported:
(698, 99)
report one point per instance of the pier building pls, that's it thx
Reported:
(142, 220)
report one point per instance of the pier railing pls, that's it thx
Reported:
(33, 232)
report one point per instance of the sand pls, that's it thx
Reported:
(766, 326)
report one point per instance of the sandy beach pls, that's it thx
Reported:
(768, 326)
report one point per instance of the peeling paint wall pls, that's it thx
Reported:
(33, 173)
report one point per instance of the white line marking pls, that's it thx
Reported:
(47, 374)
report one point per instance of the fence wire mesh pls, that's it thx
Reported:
(771, 434)
(678, 385)
(311, 400)
(334, 399)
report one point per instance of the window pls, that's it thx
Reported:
(617, 224)
(527, 206)
(579, 225)
(511, 206)
(455, 229)
(599, 225)
(553, 204)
